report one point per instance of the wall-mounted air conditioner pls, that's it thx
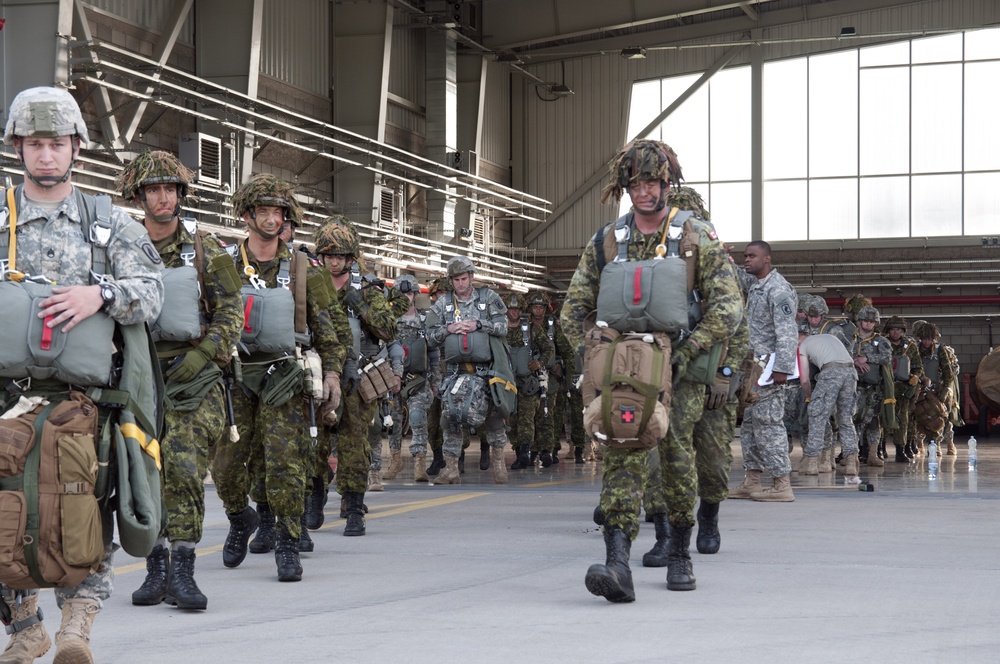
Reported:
(202, 153)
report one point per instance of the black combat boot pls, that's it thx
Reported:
(613, 580)
(286, 556)
(305, 541)
(709, 539)
(657, 556)
(182, 591)
(578, 454)
(315, 503)
(680, 575)
(437, 463)
(862, 452)
(484, 456)
(910, 450)
(555, 455)
(901, 455)
(522, 461)
(264, 541)
(599, 516)
(154, 589)
(546, 458)
(461, 463)
(355, 514)
(241, 527)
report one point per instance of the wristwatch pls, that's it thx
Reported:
(479, 324)
(726, 371)
(108, 295)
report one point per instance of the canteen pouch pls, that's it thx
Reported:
(269, 320)
(645, 296)
(473, 347)
(179, 319)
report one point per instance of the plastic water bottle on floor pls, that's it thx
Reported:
(932, 461)
(972, 454)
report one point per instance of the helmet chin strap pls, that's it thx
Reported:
(49, 181)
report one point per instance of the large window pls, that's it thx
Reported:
(891, 141)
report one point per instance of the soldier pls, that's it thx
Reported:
(47, 131)
(434, 435)
(201, 284)
(530, 352)
(871, 352)
(771, 306)
(939, 378)
(287, 305)
(647, 170)
(905, 356)
(421, 379)
(816, 313)
(461, 323)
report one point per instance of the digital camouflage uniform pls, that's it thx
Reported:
(416, 393)
(836, 385)
(530, 427)
(867, 410)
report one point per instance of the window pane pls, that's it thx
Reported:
(982, 44)
(833, 114)
(833, 209)
(982, 200)
(885, 127)
(730, 208)
(686, 129)
(886, 54)
(937, 127)
(982, 131)
(784, 123)
(885, 207)
(644, 107)
(730, 129)
(786, 209)
(941, 48)
(937, 205)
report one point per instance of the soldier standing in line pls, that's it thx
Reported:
(816, 313)
(460, 324)
(47, 131)
(195, 335)
(530, 352)
(871, 352)
(771, 304)
(435, 438)
(270, 408)
(906, 352)
(939, 378)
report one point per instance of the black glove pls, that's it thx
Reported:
(718, 393)
(352, 298)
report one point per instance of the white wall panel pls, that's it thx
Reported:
(495, 142)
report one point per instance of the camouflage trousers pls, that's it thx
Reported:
(349, 441)
(624, 474)
(376, 429)
(904, 416)
(187, 439)
(455, 440)
(867, 420)
(834, 392)
(522, 423)
(266, 463)
(419, 406)
(763, 438)
(468, 396)
(543, 424)
(794, 403)
(566, 407)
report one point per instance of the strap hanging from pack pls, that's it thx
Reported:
(525, 334)
(300, 280)
(623, 233)
(9, 265)
(188, 253)
(95, 222)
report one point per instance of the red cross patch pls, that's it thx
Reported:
(628, 414)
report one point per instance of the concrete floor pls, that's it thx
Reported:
(484, 573)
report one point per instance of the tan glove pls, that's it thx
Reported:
(718, 394)
(331, 389)
(914, 379)
(535, 365)
(557, 370)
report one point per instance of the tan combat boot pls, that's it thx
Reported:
(873, 459)
(499, 466)
(825, 461)
(851, 465)
(420, 468)
(750, 484)
(449, 474)
(30, 640)
(374, 480)
(810, 466)
(781, 492)
(73, 637)
(395, 465)
(951, 449)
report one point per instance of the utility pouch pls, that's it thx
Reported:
(705, 366)
(283, 380)
(179, 319)
(377, 380)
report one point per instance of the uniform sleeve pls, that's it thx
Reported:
(723, 301)
(581, 296)
(222, 292)
(396, 357)
(398, 302)
(376, 313)
(916, 365)
(136, 271)
(836, 331)
(783, 306)
(880, 352)
(321, 309)
(543, 344)
(496, 325)
(436, 324)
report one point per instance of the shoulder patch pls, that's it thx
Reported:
(147, 248)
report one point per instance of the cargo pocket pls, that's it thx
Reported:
(17, 437)
(13, 515)
(83, 545)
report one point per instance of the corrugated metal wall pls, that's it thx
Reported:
(295, 45)
(495, 142)
(146, 14)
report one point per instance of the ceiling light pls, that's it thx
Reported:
(849, 31)
(634, 53)
(508, 56)
(560, 89)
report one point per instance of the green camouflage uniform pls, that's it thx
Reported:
(905, 392)
(868, 408)
(564, 397)
(530, 425)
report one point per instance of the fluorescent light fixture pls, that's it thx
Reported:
(634, 53)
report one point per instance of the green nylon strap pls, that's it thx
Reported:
(649, 390)
(15, 483)
(31, 528)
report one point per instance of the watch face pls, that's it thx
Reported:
(107, 294)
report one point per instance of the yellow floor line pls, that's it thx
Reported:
(555, 482)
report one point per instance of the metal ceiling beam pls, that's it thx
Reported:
(102, 98)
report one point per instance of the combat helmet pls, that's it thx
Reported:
(412, 285)
(439, 285)
(868, 313)
(927, 331)
(154, 167)
(817, 307)
(337, 236)
(855, 303)
(266, 190)
(45, 112)
(538, 297)
(460, 265)
(641, 160)
(514, 300)
(916, 326)
(804, 300)
(686, 198)
(894, 322)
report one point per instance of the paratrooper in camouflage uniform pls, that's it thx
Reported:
(817, 323)
(871, 352)
(906, 391)
(836, 386)
(940, 377)
(530, 430)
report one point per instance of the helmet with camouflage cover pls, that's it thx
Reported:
(460, 265)
(413, 286)
(894, 322)
(856, 303)
(817, 307)
(337, 236)
(642, 160)
(927, 331)
(45, 112)
(916, 326)
(868, 313)
(538, 297)
(438, 286)
(265, 190)
(514, 300)
(154, 167)
(686, 198)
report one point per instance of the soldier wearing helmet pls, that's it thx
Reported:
(201, 285)
(109, 276)
(268, 461)
(531, 351)
(816, 313)
(941, 372)
(907, 373)
(461, 323)
(648, 171)
(871, 352)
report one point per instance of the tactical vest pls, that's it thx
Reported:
(275, 318)
(932, 366)
(473, 347)
(653, 295)
(180, 317)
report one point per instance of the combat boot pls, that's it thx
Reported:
(909, 451)
(657, 556)
(523, 460)
(355, 514)
(901, 455)
(28, 638)
(599, 516)
(499, 467)
(450, 474)
(286, 555)
(780, 492)
(750, 484)
(316, 503)
(578, 454)
(182, 591)
(395, 465)
(680, 575)
(952, 451)
(264, 541)
(374, 480)
(437, 463)
(851, 465)
(484, 456)
(73, 637)
(709, 538)
(306, 544)
(826, 461)
(461, 463)
(241, 527)
(810, 465)
(874, 459)
(613, 580)
(546, 458)
(154, 588)
(420, 468)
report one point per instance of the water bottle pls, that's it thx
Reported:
(972, 454)
(932, 461)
